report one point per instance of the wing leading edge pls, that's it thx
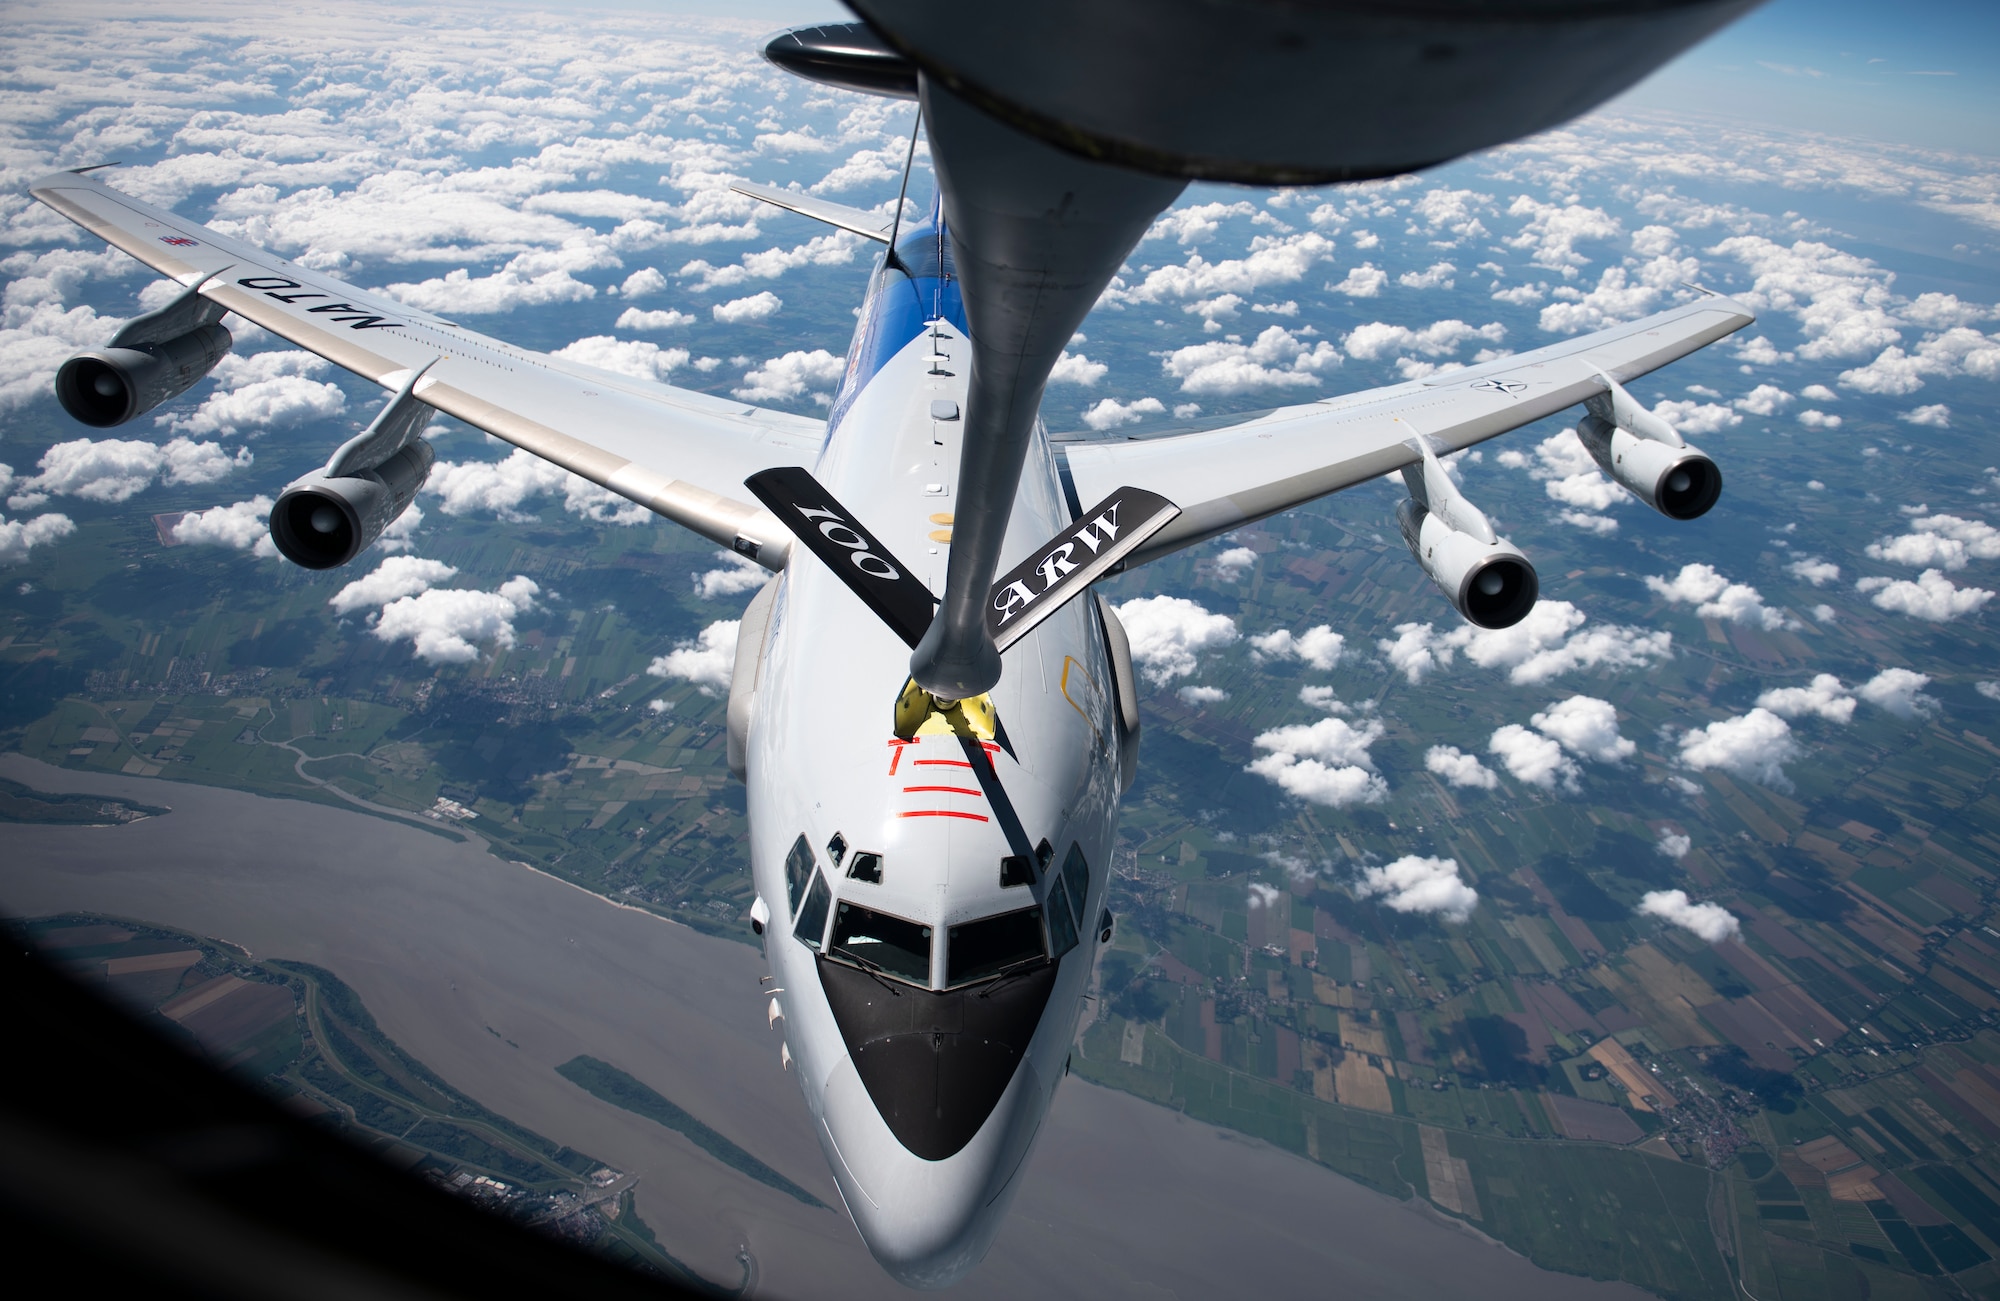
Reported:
(679, 453)
(1225, 478)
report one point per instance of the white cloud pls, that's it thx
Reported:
(392, 580)
(261, 391)
(1319, 646)
(1552, 641)
(504, 486)
(1378, 339)
(1232, 564)
(35, 342)
(241, 526)
(1990, 690)
(1818, 393)
(1196, 222)
(1534, 759)
(1324, 763)
(1842, 302)
(792, 376)
(526, 281)
(1900, 691)
(445, 625)
(1813, 570)
(1109, 413)
(708, 661)
(1553, 232)
(1323, 699)
(1936, 311)
(1711, 921)
(1820, 420)
(1273, 259)
(1276, 359)
(1755, 746)
(19, 537)
(1674, 845)
(1932, 596)
(1416, 650)
(1199, 696)
(1940, 541)
(1764, 400)
(1936, 416)
(1697, 418)
(1436, 276)
(1415, 884)
(835, 249)
(1458, 768)
(1364, 281)
(1075, 368)
(638, 358)
(633, 318)
(1824, 696)
(116, 469)
(647, 280)
(1715, 597)
(1168, 632)
(757, 307)
(1586, 726)
(736, 575)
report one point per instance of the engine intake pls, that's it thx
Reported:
(326, 518)
(1677, 481)
(152, 358)
(1491, 583)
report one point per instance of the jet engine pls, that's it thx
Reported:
(152, 358)
(1484, 576)
(327, 517)
(1647, 456)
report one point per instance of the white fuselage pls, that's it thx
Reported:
(823, 760)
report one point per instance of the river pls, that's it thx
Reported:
(492, 974)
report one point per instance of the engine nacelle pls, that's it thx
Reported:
(1490, 583)
(324, 520)
(1675, 479)
(152, 358)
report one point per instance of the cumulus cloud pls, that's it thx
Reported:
(1551, 641)
(1416, 884)
(1276, 359)
(1715, 597)
(1990, 690)
(1674, 845)
(19, 537)
(1322, 698)
(1842, 302)
(1436, 276)
(446, 625)
(1168, 633)
(1197, 222)
(1711, 921)
(1232, 564)
(1936, 416)
(1764, 400)
(1755, 746)
(708, 661)
(1199, 696)
(1273, 259)
(736, 575)
(757, 307)
(1324, 763)
(1075, 368)
(1931, 597)
(1569, 476)
(793, 376)
(1109, 413)
(116, 469)
(1900, 691)
(638, 358)
(1813, 570)
(504, 487)
(1534, 759)
(260, 392)
(240, 526)
(392, 580)
(1824, 697)
(526, 281)
(835, 249)
(633, 318)
(1458, 768)
(1364, 281)
(1319, 646)
(1378, 339)
(1699, 418)
(1586, 726)
(1940, 541)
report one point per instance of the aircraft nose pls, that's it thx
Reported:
(935, 1063)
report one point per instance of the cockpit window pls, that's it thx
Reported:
(866, 867)
(991, 945)
(1076, 874)
(1062, 926)
(812, 917)
(836, 849)
(892, 945)
(798, 870)
(1015, 870)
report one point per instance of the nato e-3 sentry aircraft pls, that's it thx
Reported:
(935, 749)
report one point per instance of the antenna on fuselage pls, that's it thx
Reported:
(895, 259)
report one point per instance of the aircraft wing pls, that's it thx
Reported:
(681, 454)
(1225, 478)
